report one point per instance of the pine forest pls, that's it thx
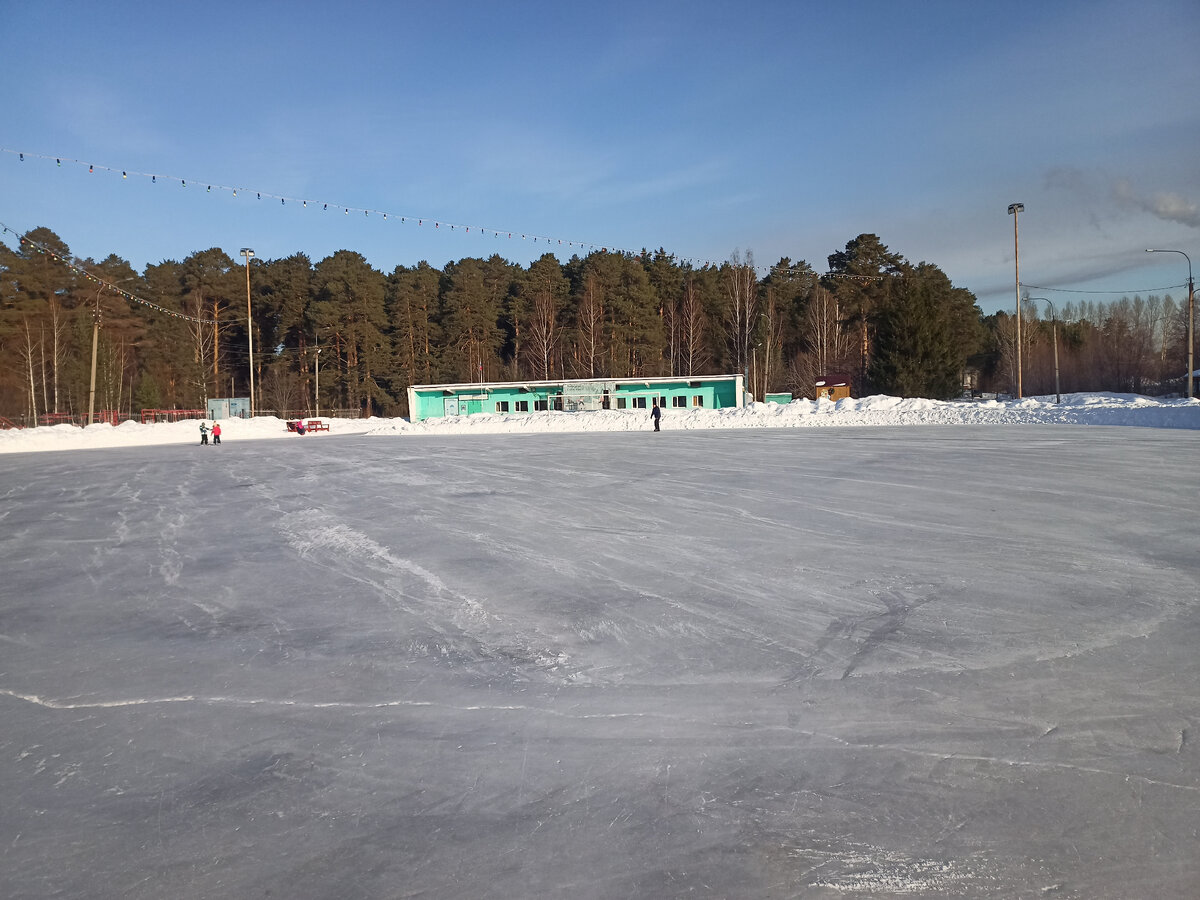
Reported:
(175, 335)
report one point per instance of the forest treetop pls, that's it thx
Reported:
(890, 325)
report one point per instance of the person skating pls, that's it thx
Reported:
(216, 433)
(203, 433)
(655, 414)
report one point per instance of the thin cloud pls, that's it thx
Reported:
(1168, 206)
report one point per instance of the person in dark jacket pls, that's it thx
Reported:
(655, 414)
(203, 433)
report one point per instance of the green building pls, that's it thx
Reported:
(432, 401)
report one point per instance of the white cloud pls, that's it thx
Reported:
(1170, 206)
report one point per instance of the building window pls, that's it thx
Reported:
(697, 400)
(639, 402)
(679, 401)
(522, 405)
(501, 406)
(558, 403)
(621, 403)
(540, 406)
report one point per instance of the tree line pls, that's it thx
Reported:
(363, 336)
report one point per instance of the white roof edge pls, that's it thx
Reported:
(491, 384)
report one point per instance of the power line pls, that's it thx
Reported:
(405, 218)
(325, 205)
(95, 279)
(1039, 287)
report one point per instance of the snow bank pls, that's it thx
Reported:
(1076, 409)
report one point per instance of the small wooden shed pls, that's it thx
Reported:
(832, 387)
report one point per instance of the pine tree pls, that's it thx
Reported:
(412, 308)
(919, 335)
(859, 280)
(350, 319)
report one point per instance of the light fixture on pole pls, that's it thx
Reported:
(247, 252)
(1054, 338)
(1191, 318)
(1013, 209)
(95, 344)
(317, 383)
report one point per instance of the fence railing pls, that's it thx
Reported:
(149, 416)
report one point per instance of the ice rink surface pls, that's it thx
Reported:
(828, 663)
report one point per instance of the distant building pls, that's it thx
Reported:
(432, 401)
(833, 387)
(229, 408)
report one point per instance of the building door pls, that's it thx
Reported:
(451, 406)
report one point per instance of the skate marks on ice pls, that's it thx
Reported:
(436, 620)
(856, 638)
(892, 625)
(866, 870)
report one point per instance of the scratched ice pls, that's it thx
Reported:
(953, 661)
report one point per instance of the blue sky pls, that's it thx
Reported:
(782, 129)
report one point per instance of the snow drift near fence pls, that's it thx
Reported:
(1076, 409)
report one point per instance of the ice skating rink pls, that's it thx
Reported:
(830, 663)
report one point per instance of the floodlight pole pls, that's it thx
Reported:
(95, 343)
(1013, 209)
(1054, 338)
(1191, 318)
(247, 252)
(317, 383)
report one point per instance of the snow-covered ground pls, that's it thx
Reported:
(1076, 409)
(721, 661)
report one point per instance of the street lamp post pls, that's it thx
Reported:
(1054, 338)
(317, 382)
(247, 252)
(95, 344)
(1191, 317)
(1013, 209)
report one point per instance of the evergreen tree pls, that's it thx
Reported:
(412, 308)
(35, 301)
(350, 320)
(211, 290)
(470, 323)
(859, 278)
(920, 349)
(169, 352)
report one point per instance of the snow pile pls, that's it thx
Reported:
(1076, 409)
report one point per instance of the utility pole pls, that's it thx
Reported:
(1013, 209)
(95, 342)
(247, 252)
(317, 383)
(1191, 320)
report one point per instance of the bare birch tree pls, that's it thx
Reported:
(590, 317)
(691, 321)
(741, 295)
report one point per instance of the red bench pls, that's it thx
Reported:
(316, 425)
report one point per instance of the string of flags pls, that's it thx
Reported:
(305, 203)
(95, 279)
(421, 221)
